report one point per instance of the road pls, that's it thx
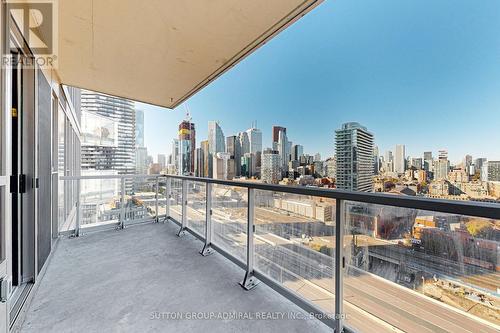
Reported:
(371, 304)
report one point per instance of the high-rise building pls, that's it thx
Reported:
(331, 167)
(141, 152)
(441, 166)
(443, 154)
(399, 159)
(283, 151)
(317, 157)
(427, 155)
(467, 162)
(388, 161)
(122, 111)
(255, 140)
(175, 154)
(206, 153)
(248, 165)
(354, 152)
(221, 166)
(162, 161)
(297, 152)
(141, 160)
(376, 160)
(417, 163)
(199, 166)
(271, 166)
(139, 128)
(276, 135)
(216, 144)
(244, 143)
(184, 161)
(478, 164)
(99, 143)
(187, 145)
(494, 171)
(233, 147)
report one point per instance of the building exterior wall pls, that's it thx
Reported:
(354, 152)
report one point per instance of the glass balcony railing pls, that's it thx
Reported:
(357, 261)
(109, 201)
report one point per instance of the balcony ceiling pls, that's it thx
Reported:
(162, 52)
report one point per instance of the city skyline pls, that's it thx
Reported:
(267, 142)
(430, 84)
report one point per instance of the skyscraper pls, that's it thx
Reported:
(139, 128)
(399, 159)
(376, 160)
(297, 152)
(494, 171)
(467, 162)
(141, 160)
(428, 161)
(216, 144)
(162, 161)
(233, 147)
(187, 145)
(271, 166)
(122, 111)
(175, 153)
(276, 135)
(199, 162)
(441, 166)
(221, 166)
(248, 165)
(215, 138)
(255, 140)
(205, 153)
(244, 143)
(282, 150)
(99, 142)
(354, 152)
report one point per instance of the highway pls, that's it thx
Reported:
(371, 304)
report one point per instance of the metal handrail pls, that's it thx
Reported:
(469, 208)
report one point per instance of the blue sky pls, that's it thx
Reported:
(421, 73)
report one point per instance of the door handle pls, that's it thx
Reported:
(22, 183)
(14, 184)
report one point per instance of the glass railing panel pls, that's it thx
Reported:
(140, 203)
(162, 197)
(196, 206)
(229, 219)
(100, 201)
(418, 271)
(295, 242)
(176, 200)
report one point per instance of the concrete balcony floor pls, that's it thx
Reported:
(113, 281)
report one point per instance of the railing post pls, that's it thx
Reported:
(156, 198)
(78, 205)
(122, 203)
(209, 229)
(250, 281)
(168, 196)
(182, 230)
(339, 265)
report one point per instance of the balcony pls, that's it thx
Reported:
(127, 280)
(287, 238)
